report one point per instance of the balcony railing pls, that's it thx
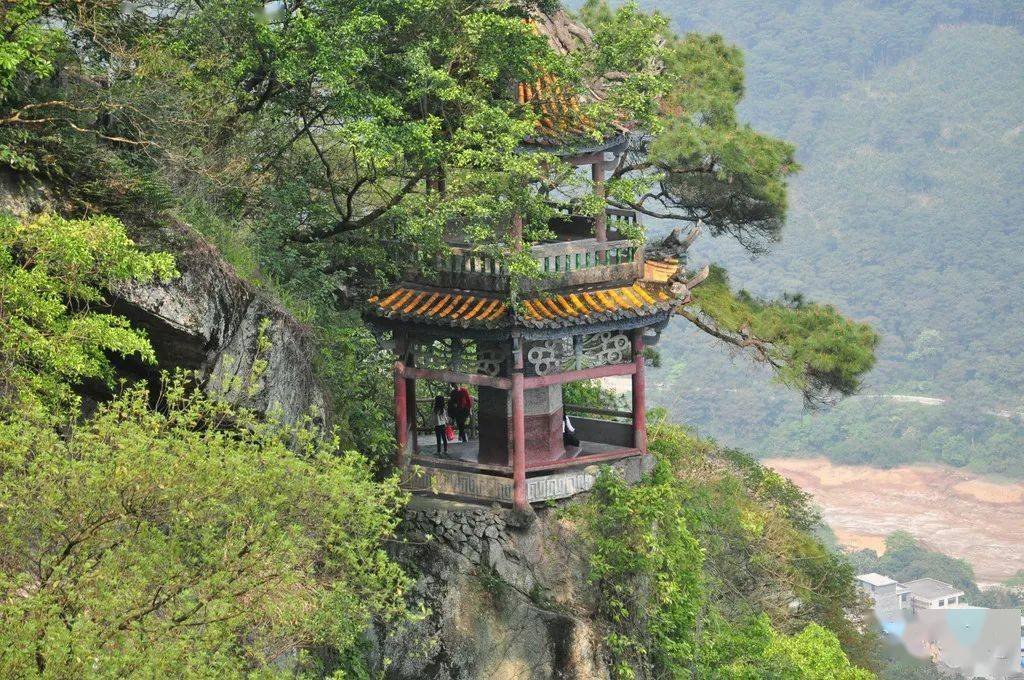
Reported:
(576, 260)
(560, 264)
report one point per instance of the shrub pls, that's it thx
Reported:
(192, 540)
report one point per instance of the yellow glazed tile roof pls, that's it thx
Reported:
(558, 110)
(470, 309)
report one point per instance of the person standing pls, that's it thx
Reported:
(440, 425)
(460, 405)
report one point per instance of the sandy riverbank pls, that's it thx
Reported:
(955, 512)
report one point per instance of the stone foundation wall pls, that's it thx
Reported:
(506, 598)
(476, 534)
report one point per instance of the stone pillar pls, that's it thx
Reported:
(541, 411)
(542, 423)
(494, 416)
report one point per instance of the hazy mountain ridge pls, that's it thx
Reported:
(907, 214)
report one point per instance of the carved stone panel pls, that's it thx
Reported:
(547, 357)
(456, 354)
(604, 349)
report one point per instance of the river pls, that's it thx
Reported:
(954, 512)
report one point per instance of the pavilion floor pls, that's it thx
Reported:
(469, 452)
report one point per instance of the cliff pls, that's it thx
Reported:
(504, 598)
(207, 319)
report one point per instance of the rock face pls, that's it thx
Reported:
(208, 319)
(505, 599)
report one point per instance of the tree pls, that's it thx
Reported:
(811, 347)
(53, 336)
(191, 540)
(812, 654)
(346, 134)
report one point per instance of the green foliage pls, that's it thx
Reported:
(812, 654)
(646, 565)
(707, 568)
(193, 540)
(27, 47)
(702, 163)
(811, 347)
(26, 53)
(358, 374)
(591, 393)
(53, 276)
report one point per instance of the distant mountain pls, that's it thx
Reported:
(909, 213)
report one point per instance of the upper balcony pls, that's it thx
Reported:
(575, 257)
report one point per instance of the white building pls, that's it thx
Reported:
(887, 594)
(929, 593)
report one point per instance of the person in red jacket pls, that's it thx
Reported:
(460, 403)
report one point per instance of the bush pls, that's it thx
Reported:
(193, 540)
(53, 277)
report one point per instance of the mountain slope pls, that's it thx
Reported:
(907, 215)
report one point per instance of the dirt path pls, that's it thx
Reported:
(954, 512)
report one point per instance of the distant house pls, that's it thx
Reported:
(932, 622)
(976, 642)
(887, 594)
(929, 593)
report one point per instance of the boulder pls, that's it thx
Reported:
(208, 319)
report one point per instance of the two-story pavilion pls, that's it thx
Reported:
(589, 314)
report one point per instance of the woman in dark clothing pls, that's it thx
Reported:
(460, 404)
(440, 425)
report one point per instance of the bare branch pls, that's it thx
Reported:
(761, 348)
(347, 225)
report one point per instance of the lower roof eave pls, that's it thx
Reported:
(528, 331)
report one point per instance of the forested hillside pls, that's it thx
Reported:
(197, 435)
(907, 213)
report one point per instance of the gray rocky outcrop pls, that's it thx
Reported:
(208, 319)
(505, 598)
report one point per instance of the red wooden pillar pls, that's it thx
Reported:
(518, 443)
(519, 501)
(401, 415)
(639, 397)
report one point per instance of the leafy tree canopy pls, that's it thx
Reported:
(53, 334)
(162, 543)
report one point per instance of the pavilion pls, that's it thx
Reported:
(588, 314)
